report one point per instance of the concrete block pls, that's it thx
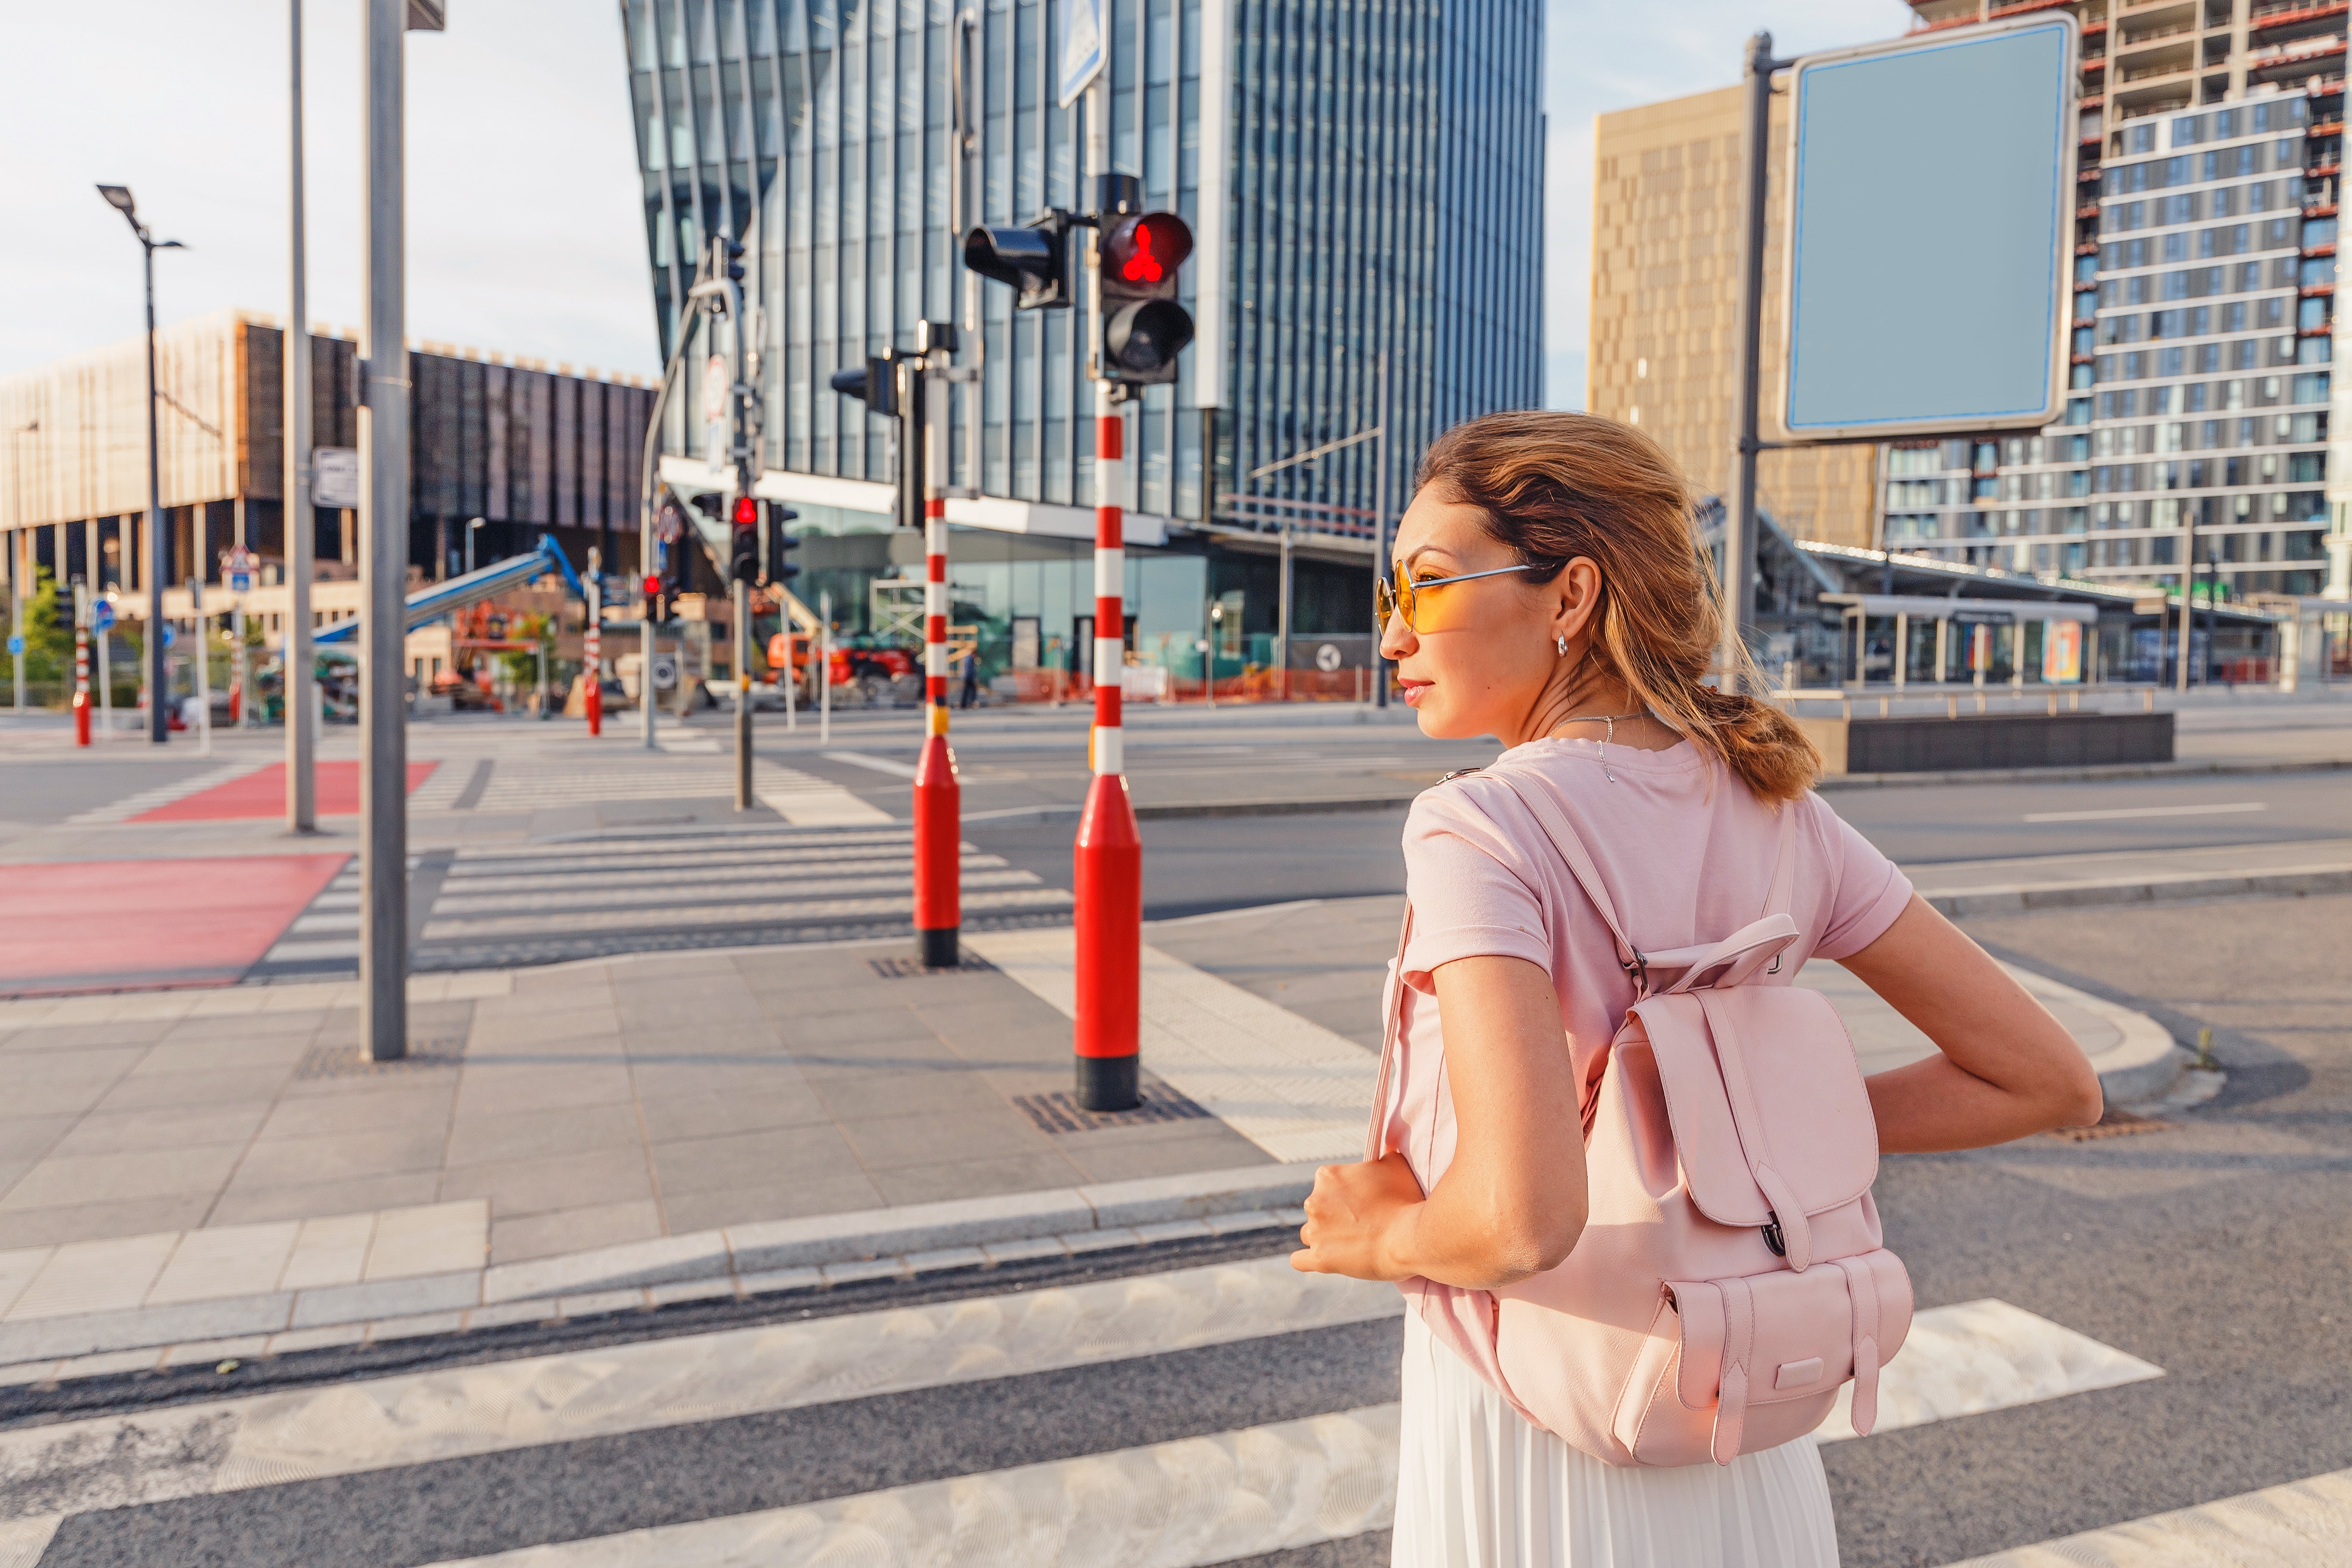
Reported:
(436, 1239)
(869, 1269)
(85, 1277)
(1173, 1230)
(375, 1298)
(501, 1314)
(325, 1338)
(597, 1303)
(108, 1364)
(143, 1327)
(701, 1255)
(329, 1251)
(1100, 1240)
(776, 1280)
(1162, 1198)
(230, 1260)
(913, 1227)
(945, 1257)
(683, 1290)
(1248, 1220)
(212, 1353)
(415, 1326)
(1002, 1252)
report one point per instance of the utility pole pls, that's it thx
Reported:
(722, 292)
(1741, 526)
(1380, 532)
(384, 526)
(301, 522)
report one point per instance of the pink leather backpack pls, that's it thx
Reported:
(1732, 1275)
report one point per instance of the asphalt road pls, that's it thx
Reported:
(2219, 1249)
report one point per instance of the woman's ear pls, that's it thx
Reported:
(1579, 585)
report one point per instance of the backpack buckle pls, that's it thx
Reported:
(1772, 1238)
(1638, 967)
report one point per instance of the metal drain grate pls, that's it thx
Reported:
(1058, 1113)
(2113, 1123)
(346, 1061)
(915, 968)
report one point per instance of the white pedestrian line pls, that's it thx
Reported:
(765, 871)
(265, 1439)
(692, 848)
(130, 805)
(819, 880)
(1184, 1504)
(988, 891)
(2119, 813)
(2302, 1524)
(807, 801)
(1979, 1356)
(878, 764)
(1295, 1088)
(442, 786)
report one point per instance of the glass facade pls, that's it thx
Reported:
(1365, 184)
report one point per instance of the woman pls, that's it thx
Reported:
(1548, 594)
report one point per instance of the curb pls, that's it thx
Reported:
(2018, 898)
(2076, 774)
(744, 1260)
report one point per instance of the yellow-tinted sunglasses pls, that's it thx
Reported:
(1399, 600)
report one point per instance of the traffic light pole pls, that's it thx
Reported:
(939, 826)
(1740, 536)
(1107, 859)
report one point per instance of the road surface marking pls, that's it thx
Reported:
(2119, 813)
(130, 805)
(2302, 1524)
(876, 765)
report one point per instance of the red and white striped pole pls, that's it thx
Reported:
(1108, 857)
(593, 643)
(82, 666)
(939, 827)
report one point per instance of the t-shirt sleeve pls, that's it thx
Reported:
(1471, 895)
(1867, 890)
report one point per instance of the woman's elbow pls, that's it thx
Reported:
(2082, 1101)
(1535, 1244)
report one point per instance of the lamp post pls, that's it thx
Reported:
(159, 548)
(470, 527)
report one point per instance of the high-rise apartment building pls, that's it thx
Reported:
(2198, 418)
(1664, 347)
(1364, 183)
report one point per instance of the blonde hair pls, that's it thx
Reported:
(1557, 486)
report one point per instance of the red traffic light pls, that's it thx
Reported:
(653, 587)
(1144, 251)
(747, 512)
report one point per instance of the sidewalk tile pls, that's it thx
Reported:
(280, 1053)
(386, 1298)
(17, 1268)
(242, 1204)
(733, 1206)
(530, 1134)
(1208, 1145)
(212, 1353)
(891, 1095)
(477, 984)
(343, 1156)
(704, 1077)
(330, 1250)
(597, 1303)
(434, 1239)
(872, 1268)
(16, 1374)
(221, 1085)
(415, 1326)
(959, 1178)
(327, 1337)
(519, 1187)
(107, 1364)
(83, 1039)
(252, 1027)
(1002, 1252)
(104, 1220)
(164, 1127)
(505, 1314)
(1104, 1240)
(490, 1090)
(416, 1102)
(931, 1138)
(84, 1333)
(773, 1280)
(967, 1222)
(659, 1259)
(751, 1159)
(94, 1277)
(791, 1103)
(684, 1290)
(103, 1065)
(941, 1258)
(876, 1031)
(62, 1180)
(231, 1261)
(30, 1136)
(527, 1237)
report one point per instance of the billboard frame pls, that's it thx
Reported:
(2064, 200)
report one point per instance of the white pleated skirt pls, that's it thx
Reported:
(1479, 1487)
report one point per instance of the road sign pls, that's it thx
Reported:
(15, 642)
(170, 636)
(237, 569)
(1082, 46)
(1327, 657)
(1900, 321)
(102, 614)
(335, 476)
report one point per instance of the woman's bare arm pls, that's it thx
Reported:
(1512, 1203)
(2006, 1067)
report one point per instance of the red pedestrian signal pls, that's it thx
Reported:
(1143, 327)
(744, 564)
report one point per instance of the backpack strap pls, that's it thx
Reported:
(1538, 801)
(1391, 1025)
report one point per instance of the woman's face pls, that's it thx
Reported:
(1480, 655)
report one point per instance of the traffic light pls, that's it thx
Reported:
(731, 253)
(654, 599)
(744, 564)
(1143, 327)
(875, 384)
(782, 567)
(1033, 258)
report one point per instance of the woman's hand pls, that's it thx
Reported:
(1353, 1218)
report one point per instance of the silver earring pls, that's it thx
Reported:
(1563, 645)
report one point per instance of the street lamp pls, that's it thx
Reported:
(159, 556)
(470, 542)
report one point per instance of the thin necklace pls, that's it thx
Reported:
(1606, 735)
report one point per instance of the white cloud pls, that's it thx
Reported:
(524, 222)
(1607, 56)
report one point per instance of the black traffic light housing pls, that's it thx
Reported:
(874, 383)
(731, 253)
(1143, 327)
(782, 567)
(1033, 258)
(743, 554)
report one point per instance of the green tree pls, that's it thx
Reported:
(48, 631)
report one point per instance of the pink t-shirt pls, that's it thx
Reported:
(1686, 851)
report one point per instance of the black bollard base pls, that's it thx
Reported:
(937, 948)
(1109, 1083)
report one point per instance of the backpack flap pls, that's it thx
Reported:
(1768, 1138)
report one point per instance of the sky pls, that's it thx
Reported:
(525, 233)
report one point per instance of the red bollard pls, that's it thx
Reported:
(592, 649)
(81, 679)
(1107, 859)
(939, 800)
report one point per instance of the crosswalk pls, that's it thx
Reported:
(1191, 1417)
(488, 905)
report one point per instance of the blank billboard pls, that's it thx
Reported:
(1931, 194)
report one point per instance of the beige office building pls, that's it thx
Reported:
(1665, 352)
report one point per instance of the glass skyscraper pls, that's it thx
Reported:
(1364, 183)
